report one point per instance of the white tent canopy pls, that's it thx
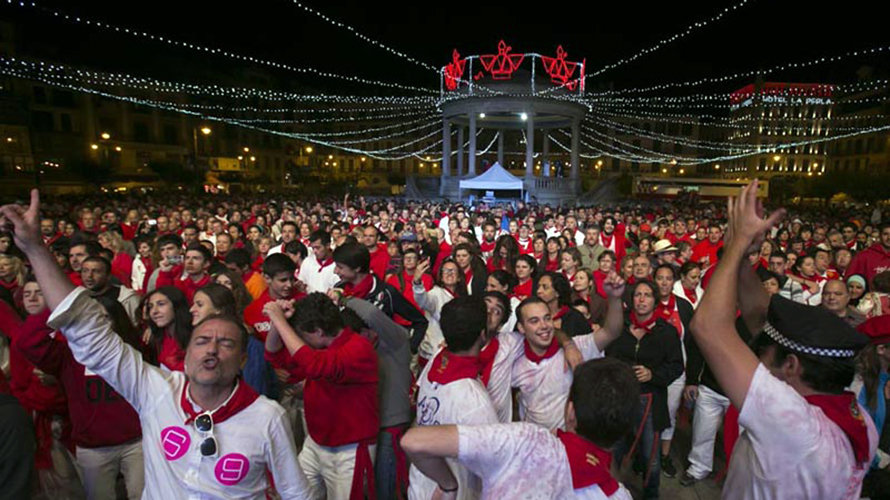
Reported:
(495, 178)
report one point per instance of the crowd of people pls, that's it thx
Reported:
(217, 347)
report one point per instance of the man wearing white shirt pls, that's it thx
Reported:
(449, 390)
(804, 436)
(539, 374)
(521, 460)
(205, 434)
(317, 270)
(288, 234)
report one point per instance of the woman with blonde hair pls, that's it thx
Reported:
(122, 263)
(12, 277)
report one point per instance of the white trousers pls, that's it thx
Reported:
(99, 468)
(329, 469)
(675, 395)
(710, 407)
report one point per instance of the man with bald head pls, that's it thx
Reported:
(836, 298)
(205, 433)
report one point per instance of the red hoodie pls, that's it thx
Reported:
(99, 415)
(185, 285)
(869, 262)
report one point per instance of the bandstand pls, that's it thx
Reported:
(525, 98)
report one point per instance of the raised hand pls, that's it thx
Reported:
(421, 269)
(273, 310)
(614, 285)
(23, 222)
(747, 226)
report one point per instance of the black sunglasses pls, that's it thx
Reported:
(204, 424)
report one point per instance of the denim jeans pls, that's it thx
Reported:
(647, 450)
(385, 468)
(257, 372)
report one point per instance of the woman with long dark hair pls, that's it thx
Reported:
(450, 283)
(166, 311)
(873, 392)
(554, 289)
(651, 347)
(506, 250)
(550, 260)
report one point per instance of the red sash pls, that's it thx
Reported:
(562, 312)
(589, 463)
(690, 294)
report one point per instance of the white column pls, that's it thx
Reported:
(545, 154)
(576, 137)
(471, 160)
(446, 148)
(530, 146)
(460, 150)
(501, 147)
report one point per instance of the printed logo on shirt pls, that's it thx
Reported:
(263, 326)
(175, 441)
(427, 410)
(231, 468)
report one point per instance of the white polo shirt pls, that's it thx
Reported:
(317, 278)
(790, 449)
(544, 387)
(522, 461)
(256, 439)
(464, 402)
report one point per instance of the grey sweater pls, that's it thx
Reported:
(394, 356)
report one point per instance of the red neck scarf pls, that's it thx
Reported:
(242, 397)
(606, 240)
(448, 367)
(843, 410)
(668, 311)
(562, 312)
(645, 325)
(589, 463)
(690, 294)
(326, 263)
(468, 275)
(486, 359)
(360, 290)
(534, 357)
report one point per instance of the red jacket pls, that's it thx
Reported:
(340, 395)
(99, 415)
(380, 261)
(122, 268)
(706, 249)
(23, 383)
(185, 285)
(869, 262)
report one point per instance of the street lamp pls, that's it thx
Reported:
(106, 135)
(308, 149)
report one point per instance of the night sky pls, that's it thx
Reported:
(759, 34)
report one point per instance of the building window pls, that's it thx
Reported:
(39, 95)
(140, 132)
(66, 122)
(63, 98)
(42, 121)
(170, 134)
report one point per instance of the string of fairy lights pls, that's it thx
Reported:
(399, 127)
(307, 70)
